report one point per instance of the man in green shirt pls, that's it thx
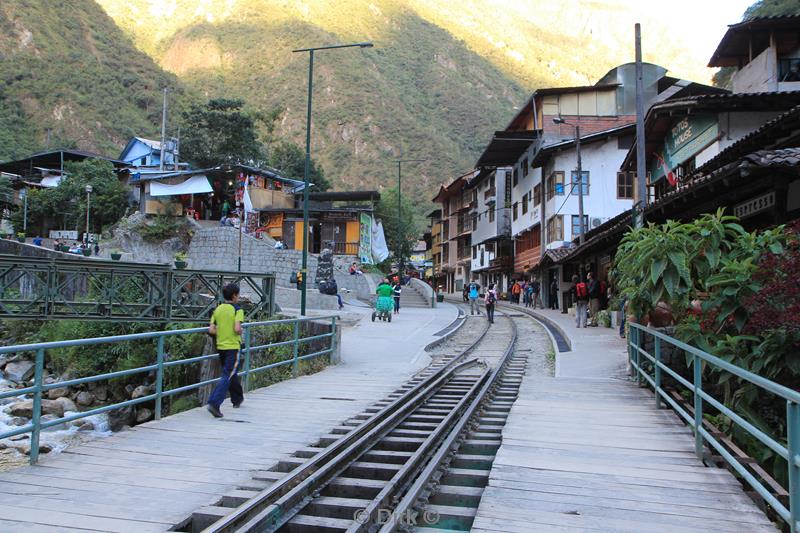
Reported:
(226, 326)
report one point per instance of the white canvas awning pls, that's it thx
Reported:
(50, 181)
(194, 185)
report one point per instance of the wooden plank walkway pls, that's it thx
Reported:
(154, 475)
(594, 454)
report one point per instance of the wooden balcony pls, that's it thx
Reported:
(345, 248)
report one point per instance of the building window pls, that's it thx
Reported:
(525, 203)
(528, 240)
(474, 252)
(575, 223)
(491, 213)
(555, 229)
(555, 184)
(537, 195)
(625, 185)
(489, 247)
(525, 167)
(583, 187)
(514, 211)
(516, 176)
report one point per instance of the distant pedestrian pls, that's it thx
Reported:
(96, 248)
(37, 241)
(622, 306)
(554, 294)
(516, 290)
(473, 293)
(354, 270)
(594, 298)
(536, 290)
(225, 208)
(57, 245)
(490, 299)
(396, 293)
(226, 327)
(580, 295)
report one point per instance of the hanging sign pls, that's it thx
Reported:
(684, 140)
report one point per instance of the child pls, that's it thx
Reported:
(226, 326)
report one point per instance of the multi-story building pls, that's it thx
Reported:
(456, 204)
(491, 232)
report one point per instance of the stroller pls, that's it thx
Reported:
(384, 305)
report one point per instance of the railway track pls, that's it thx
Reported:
(427, 446)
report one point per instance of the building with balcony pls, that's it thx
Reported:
(456, 202)
(491, 232)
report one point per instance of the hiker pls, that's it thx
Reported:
(516, 289)
(396, 290)
(473, 292)
(580, 294)
(535, 289)
(490, 299)
(594, 289)
(226, 327)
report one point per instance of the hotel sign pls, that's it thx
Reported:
(684, 140)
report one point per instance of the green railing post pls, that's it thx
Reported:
(698, 406)
(639, 336)
(37, 406)
(657, 372)
(247, 359)
(793, 447)
(295, 347)
(333, 340)
(159, 375)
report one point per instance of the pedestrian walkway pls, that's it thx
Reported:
(156, 474)
(588, 450)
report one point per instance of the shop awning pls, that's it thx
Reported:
(194, 185)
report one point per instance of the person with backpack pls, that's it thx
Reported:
(473, 292)
(554, 294)
(580, 294)
(516, 289)
(396, 291)
(593, 286)
(535, 297)
(226, 328)
(490, 299)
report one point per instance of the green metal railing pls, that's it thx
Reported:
(638, 357)
(94, 289)
(161, 363)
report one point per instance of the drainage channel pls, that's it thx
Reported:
(348, 465)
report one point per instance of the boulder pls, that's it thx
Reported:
(49, 380)
(140, 392)
(25, 408)
(119, 418)
(26, 448)
(57, 427)
(19, 421)
(85, 425)
(58, 392)
(143, 414)
(101, 393)
(84, 398)
(129, 389)
(68, 404)
(20, 371)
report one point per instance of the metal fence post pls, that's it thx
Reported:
(37, 406)
(159, 375)
(657, 373)
(639, 336)
(296, 347)
(247, 359)
(698, 406)
(793, 447)
(333, 340)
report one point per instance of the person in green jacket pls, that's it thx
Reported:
(385, 303)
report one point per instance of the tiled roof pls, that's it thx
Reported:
(782, 157)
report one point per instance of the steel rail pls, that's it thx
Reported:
(413, 494)
(303, 475)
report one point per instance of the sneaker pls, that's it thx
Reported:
(214, 411)
(238, 405)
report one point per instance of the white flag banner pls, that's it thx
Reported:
(379, 249)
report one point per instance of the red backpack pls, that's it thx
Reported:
(581, 291)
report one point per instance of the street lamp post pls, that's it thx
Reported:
(581, 225)
(24, 195)
(88, 200)
(304, 267)
(400, 255)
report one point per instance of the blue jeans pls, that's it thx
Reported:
(228, 381)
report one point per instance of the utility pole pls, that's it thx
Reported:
(177, 152)
(641, 173)
(163, 130)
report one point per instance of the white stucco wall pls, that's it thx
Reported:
(761, 74)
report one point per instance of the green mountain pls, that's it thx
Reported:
(69, 77)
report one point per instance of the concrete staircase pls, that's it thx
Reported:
(412, 297)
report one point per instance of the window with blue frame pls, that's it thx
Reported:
(583, 186)
(576, 230)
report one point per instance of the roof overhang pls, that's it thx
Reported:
(506, 147)
(751, 37)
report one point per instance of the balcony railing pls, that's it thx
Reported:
(490, 193)
(345, 248)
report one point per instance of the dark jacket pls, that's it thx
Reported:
(594, 288)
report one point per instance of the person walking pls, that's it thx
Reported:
(473, 293)
(516, 289)
(554, 294)
(226, 327)
(536, 289)
(594, 298)
(397, 290)
(580, 294)
(490, 299)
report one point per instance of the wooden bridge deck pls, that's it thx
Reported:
(594, 454)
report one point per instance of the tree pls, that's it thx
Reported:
(66, 204)
(222, 131)
(772, 8)
(290, 160)
(410, 228)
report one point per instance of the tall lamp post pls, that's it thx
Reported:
(400, 256)
(581, 225)
(304, 267)
(88, 199)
